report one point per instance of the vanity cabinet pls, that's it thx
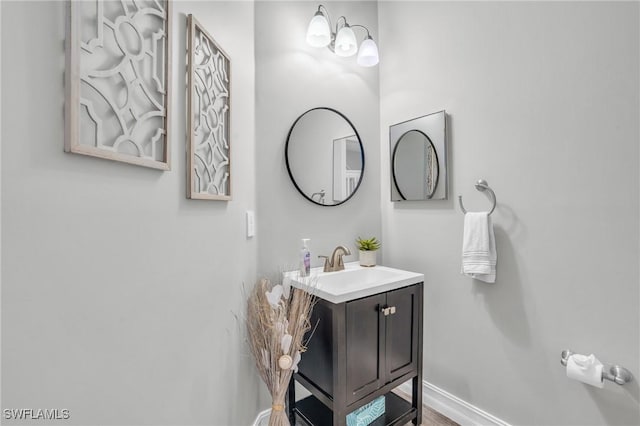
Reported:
(359, 350)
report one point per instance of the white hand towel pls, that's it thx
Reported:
(479, 254)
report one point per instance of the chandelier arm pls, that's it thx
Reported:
(322, 9)
(361, 26)
(345, 24)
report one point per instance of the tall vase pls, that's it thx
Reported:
(368, 257)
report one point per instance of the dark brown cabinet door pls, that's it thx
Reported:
(365, 343)
(402, 332)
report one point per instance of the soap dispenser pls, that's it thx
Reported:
(305, 258)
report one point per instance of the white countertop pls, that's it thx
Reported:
(354, 282)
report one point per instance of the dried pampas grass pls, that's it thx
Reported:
(277, 319)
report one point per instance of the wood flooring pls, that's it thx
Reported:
(433, 418)
(430, 417)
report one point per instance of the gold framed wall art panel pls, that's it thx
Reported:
(208, 116)
(118, 80)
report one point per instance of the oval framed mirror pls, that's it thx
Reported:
(415, 169)
(324, 156)
(418, 154)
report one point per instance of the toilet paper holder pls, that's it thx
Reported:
(614, 373)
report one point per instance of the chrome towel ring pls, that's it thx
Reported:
(481, 185)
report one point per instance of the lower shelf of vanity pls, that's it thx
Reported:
(312, 412)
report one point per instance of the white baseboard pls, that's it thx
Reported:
(453, 407)
(262, 418)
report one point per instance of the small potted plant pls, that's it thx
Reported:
(368, 248)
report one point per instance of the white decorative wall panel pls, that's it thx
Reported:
(208, 156)
(117, 76)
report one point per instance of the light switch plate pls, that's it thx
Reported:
(251, 224)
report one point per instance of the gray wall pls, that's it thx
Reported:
(118, 294)
(543, 100)
(292, 77)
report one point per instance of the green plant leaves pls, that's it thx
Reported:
(368, 244)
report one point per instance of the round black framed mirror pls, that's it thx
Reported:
(324, 156)
(415, 169)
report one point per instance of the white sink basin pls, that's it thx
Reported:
(353, 282)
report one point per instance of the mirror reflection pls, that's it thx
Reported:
(418, 158)
(324, 156)
(415, 166)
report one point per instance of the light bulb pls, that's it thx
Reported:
(318, 33)
(368, 53)
(346, 43)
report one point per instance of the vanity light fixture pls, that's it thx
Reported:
(343, 41)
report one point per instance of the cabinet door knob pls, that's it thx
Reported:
(386, 311)
(392, 310)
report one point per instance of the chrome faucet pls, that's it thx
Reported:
(335, 262)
